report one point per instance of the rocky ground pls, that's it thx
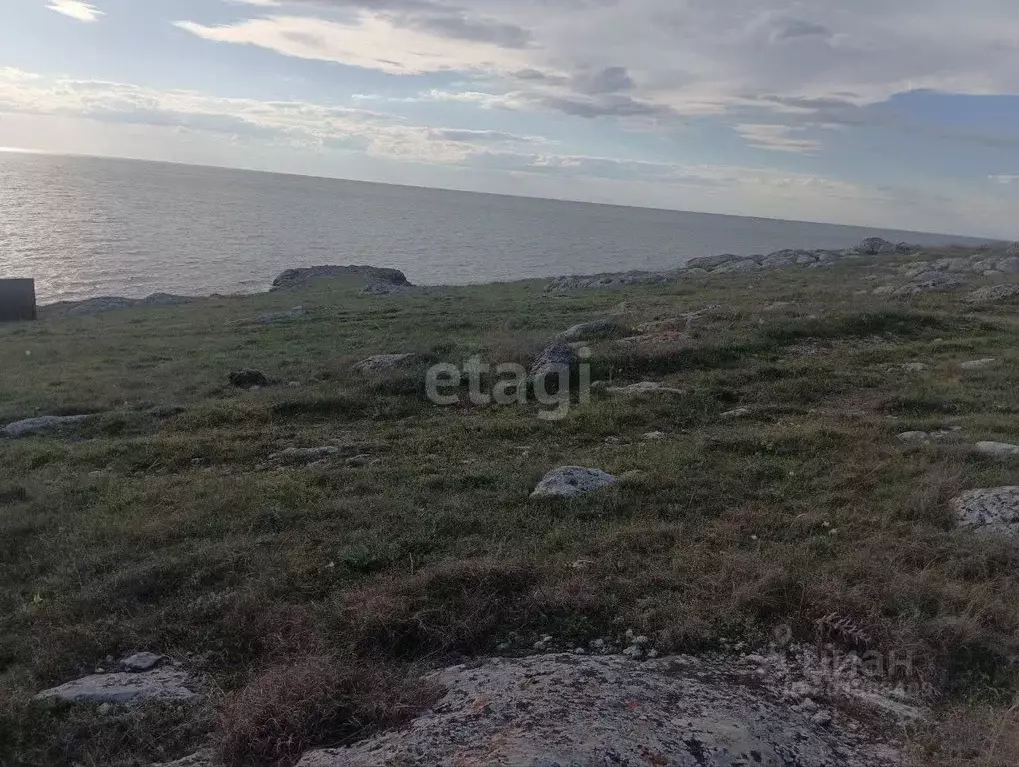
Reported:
(780, 527)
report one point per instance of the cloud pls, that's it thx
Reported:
(779, 138)
(374, 42)
(779, 62)
(76, 9)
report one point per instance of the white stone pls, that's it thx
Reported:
(997, 449)
(977, 364)
(124, 688)
(914, 436)
(991, 510)
(571, 482)
(41, 424)
(644, 387)
(141, 661)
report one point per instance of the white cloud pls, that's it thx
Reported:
(76, 9)
(371, 41)
(779, 138)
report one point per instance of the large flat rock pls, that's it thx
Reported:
(161, 684)
(564, 710)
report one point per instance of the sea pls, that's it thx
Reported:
(86, 227)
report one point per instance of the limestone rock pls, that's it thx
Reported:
(737, 266)
(644, 387)
(142, 661)
(41, 424)
(740, 412)
(161, 684)
(91, 307)
(293, 278)
(380, 363)
(989, 510)
(978, 364)
(997, 449)
(710, 262)
(204, 758)
(571, 482)
(928, 282)
(553, 365)
(606, 281)
(594, 328)
(591, 710)
(876, 246)
(993, 293)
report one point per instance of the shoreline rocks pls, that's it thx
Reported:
(367, 275)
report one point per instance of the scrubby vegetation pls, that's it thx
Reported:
(309, 597)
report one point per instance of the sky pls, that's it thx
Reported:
(899, 114)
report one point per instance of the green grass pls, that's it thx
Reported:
(301, 594)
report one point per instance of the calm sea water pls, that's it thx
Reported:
(85, 227)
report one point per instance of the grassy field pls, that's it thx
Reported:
(310, 598)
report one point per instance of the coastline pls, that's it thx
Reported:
(386, 281)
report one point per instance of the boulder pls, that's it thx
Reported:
(380, 363)
(559, 710)
(41, 424)
(782, 258)
(876, 246)
(989, 510)
(928, 282)
(993, 294)
(710, 262)
(163, 684)
(603, 281)
(571, 482)
(737, 266)
(247, 378)
(997, 449)
(554, 363)
(1008, 265)
(362, 275)
(102, 304)
(593, 329)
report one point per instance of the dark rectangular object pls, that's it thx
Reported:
(17, 300)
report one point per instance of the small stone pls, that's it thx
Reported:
(642, 388)
(739, 412)
(821, 718)
(655, 436)
(914, 436)
(142, 661)
(381, 363)
(570, 482)
(978, 364)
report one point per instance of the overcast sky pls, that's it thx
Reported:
(893, 113)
